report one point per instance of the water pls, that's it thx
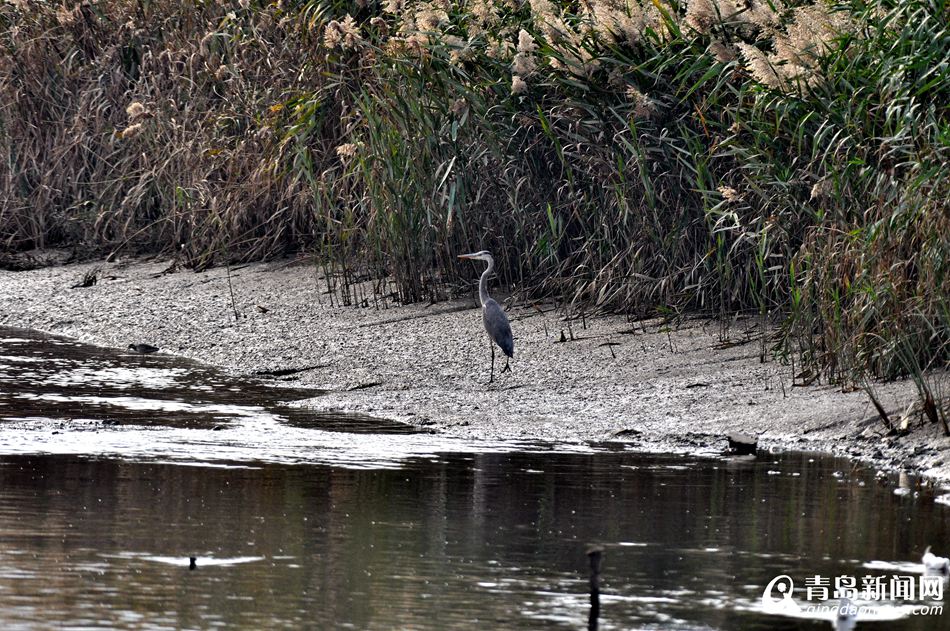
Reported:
(294, 526)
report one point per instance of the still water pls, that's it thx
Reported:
(115, 469)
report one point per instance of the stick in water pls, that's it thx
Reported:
(595, 554)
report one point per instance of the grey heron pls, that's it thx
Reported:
(493, 316)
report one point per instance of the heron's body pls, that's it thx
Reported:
(493, 316)
(497, 325)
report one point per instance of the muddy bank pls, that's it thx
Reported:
(654, 385)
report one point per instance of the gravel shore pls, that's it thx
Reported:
(656, 386)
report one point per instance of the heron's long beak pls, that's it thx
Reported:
(467, 256)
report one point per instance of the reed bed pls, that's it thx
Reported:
(784, 159)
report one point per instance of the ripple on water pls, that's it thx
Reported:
(293, 525)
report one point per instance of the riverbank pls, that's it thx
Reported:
(655, 385)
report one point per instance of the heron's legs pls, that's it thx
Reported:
(491, 378)
(507, 368)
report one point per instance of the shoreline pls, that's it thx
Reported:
(656, 387)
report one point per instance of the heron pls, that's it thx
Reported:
(493, 316)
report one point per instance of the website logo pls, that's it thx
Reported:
(777, 596)
(845, 599)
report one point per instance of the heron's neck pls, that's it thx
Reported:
(483, 282)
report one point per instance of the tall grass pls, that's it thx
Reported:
(701, 156)
(158, 125)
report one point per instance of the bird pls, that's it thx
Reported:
(846, 618)
(493, 316)
(934, 564)
(143, 349)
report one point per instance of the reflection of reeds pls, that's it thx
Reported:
(713, 155)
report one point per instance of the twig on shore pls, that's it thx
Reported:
(880, 410)
(231, 289)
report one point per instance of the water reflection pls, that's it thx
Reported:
(455, 542)
(116, 470)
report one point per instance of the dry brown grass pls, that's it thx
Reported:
(202, 167)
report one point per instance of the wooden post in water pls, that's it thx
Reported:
(595, 554)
